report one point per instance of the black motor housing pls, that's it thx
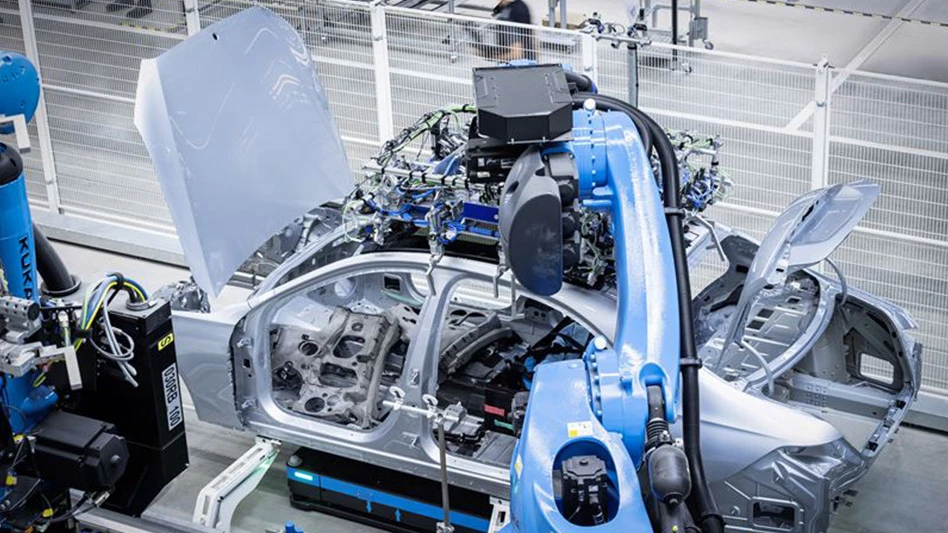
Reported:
(583, 489)
(79, 452)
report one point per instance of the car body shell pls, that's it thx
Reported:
(224, 359)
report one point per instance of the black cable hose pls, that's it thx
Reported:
(701, 501)
(11, 164)
(582, 82)
(57, 281)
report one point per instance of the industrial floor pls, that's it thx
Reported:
(906, 490)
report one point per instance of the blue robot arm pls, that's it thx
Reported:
(19, 95)
(579, 410)
(594, 430)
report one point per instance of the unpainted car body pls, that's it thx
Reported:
(782, 441)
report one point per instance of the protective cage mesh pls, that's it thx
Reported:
(893, 131)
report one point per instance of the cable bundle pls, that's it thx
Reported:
(97, 298)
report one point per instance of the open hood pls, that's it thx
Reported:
(241, 136)
(806, 233)
(810, 229)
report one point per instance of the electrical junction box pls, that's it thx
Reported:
(527, 104)
(149, 416)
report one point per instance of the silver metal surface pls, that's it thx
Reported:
(204, 362)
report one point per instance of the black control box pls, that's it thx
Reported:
(527, 104)
(149, 416)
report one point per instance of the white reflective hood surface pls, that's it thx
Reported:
(240, 133)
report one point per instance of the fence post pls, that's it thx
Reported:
(819, 177)
(632, 65)
(192, 16)
(590, 51)
(41, 117)
(383, 80)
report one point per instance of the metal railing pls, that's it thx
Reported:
(788, 127)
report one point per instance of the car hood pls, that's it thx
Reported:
(810, 229)
(241, 136)
(806, 233)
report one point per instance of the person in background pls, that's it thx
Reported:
(514, 43)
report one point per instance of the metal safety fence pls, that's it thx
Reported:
(788, 127)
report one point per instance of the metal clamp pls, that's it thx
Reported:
(499, 515)
(501, 269)
(430, 409)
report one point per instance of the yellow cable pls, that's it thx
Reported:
(98, 307)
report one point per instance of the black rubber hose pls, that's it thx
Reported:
(57, 281)
(11, 164)
(582, 82)
(608, 103)
(701, 502)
